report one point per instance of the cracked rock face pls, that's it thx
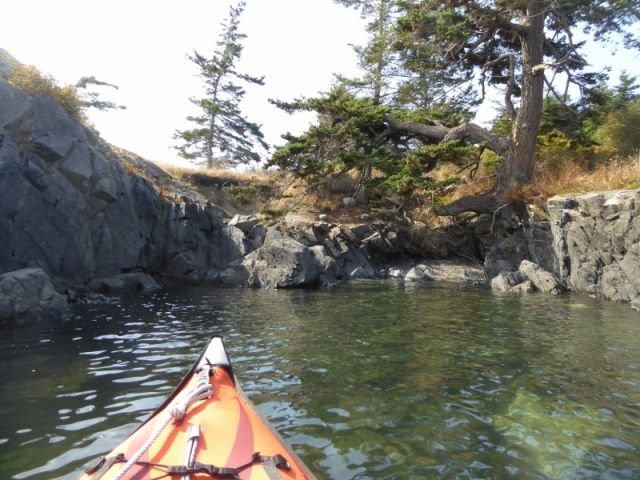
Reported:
(596, 243)
(84, 214)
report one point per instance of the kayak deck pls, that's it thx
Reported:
(226, 435)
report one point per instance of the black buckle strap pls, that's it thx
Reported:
(270, 463)
(100, 465)
(211, 470)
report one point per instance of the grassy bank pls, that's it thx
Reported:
(272, 194)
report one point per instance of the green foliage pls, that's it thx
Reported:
(559, 117)
(621, 130)
(252, 193)
(348, 139)
(343, 140)
(604, 123)
(376, 58)
(554, 148)
(29, 79)
(393, 126)
(267, 214)
(221, 131)
(408, 176)
(92, 100)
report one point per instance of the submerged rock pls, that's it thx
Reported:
(419, 273)
(506, 281)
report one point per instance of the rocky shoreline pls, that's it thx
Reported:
(79, 216)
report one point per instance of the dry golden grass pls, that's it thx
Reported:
(570, 177)
(616, 174)
(220, 176)
(284, 195)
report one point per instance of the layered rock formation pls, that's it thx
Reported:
(596, 238)
(585, 243)
(71, 207)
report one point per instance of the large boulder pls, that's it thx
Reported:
(352, 258)
(28, 295)
(282, 262)
(244, 222)
(544, 281)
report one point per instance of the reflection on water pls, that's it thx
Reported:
(376, 380)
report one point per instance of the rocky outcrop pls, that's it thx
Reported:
(529, 277)
(585, 243)
(297, 254)
(528, 239)
(596, 240)
(90, 215)
(28, 295)
(87, 214)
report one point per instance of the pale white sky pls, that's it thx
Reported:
(141, 46)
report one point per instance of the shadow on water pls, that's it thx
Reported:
(376, 380)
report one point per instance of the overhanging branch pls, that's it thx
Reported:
(438, 133)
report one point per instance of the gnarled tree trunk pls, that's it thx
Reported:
(519, 150)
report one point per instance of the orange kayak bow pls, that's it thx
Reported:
(207, 429)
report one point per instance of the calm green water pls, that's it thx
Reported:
(376, 380)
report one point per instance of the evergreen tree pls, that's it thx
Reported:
(522, 47)
(376, 59)
(614, 121)
(34, 82)
(92, 100)
(352, 135)
(399, 71)
(222, 132)
(512, 45)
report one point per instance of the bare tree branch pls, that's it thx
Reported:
(439, 133)
(510, 84)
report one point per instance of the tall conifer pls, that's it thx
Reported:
(222, 135)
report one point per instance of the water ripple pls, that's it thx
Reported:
(372, 381)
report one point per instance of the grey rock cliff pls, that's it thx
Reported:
(89, 215)
(84, 212)
(596, 242)
(589, 243)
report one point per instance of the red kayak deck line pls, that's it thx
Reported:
(232, 431)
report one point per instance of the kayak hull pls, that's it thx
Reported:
(223, 431)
